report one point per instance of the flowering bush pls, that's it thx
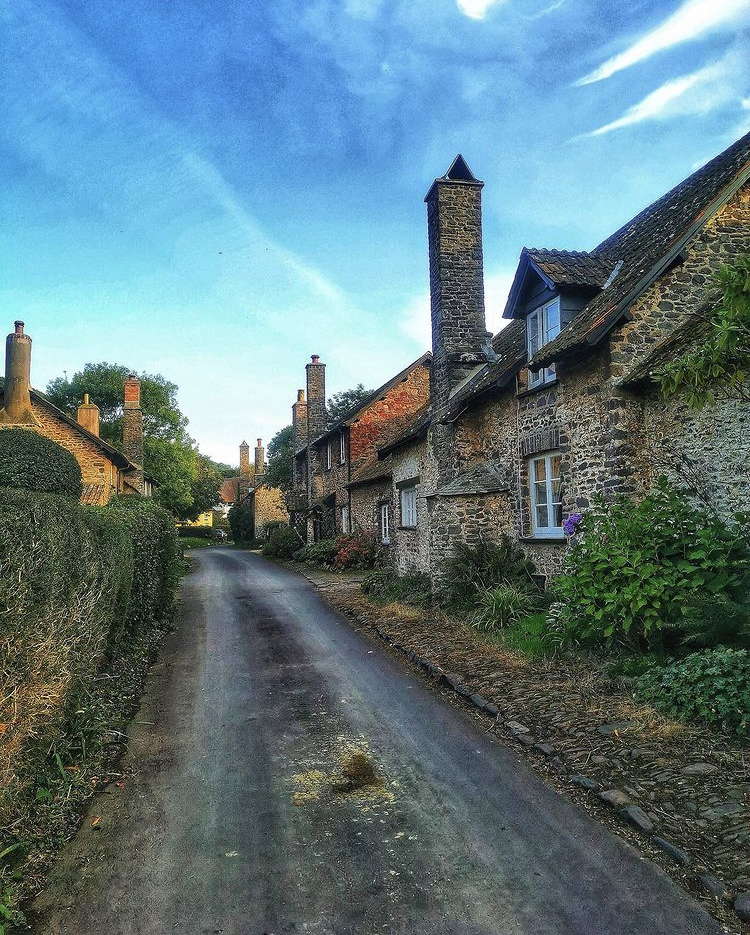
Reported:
(357, 550)
(635, 567)
(571, 524)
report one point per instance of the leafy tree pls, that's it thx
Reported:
(341, 403)
(719, 367)
(188, 481)
(280, 459)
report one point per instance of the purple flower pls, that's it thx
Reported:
(571, 524)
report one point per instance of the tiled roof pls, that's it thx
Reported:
(93, 494)
(371, 472)
(230, 490)
(573, 267)
(480, 479)
(652, 240)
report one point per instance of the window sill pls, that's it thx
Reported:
(409, 528)
(559, 539)
(537, 388)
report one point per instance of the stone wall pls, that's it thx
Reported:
(366, 501)
(269, 507)
(410, 548)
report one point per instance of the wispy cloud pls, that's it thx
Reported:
(709, 88)
(695, 18)
(477, 9)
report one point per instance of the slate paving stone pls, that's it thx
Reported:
(742, 906)
(676, 853)
(699, 769)
(584, 782)
(615, 797)
(635, 816)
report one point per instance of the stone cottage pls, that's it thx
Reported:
(524, 427)
(267, 503)
(340, 485)
(105, 470)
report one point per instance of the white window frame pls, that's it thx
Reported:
(541, 328)
(328, 455)
(345, 524)
(385, 524)
(409, 507)
(342, 448)
(535, 488)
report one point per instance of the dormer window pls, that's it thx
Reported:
(542, 325)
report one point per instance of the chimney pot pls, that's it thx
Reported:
(17, 408)
(260, 443)
(315, 358)
(300, 396)
(85, 399)
(18, 325)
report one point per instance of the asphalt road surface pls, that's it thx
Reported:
(249, 809)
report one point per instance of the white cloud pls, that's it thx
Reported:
(709, 87)
(695, 18)
(476, 9)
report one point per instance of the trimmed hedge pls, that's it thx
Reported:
(242, 522)
(30, 461)
(78, 586)
(156, 559)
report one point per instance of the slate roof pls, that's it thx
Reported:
(477, 480)
(117, 457)
(572, 267)
(649, 243)
(370, 473)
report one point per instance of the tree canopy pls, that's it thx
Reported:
(280, 459)
(188, 481)
(341, 403)
(718, 367)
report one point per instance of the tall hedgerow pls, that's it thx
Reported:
(30, 461)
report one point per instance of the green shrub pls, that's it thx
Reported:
(504, 605)
(242, 522)
(321, 553)
(635, 566)
(30, 461)
(475, 569)
(156, 559)
(534, 635)
(714, 620)
(282, 543)
(386, 586)
(712, 686)
(357, 550)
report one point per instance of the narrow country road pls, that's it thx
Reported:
(235, 818)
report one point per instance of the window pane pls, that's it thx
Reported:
(540, 469)
(557, 519)
(551, 320)
(541, 516)
(532, 330)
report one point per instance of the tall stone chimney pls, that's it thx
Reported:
(17, 391)
(460, 340)
(243, 485)
(88, 415)
(132, 430)
(260, 459)
(299, 421)
(317, 417)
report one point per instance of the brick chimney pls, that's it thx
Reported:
(317, 417)
(88, 415)
(17, 391)
(132, 430)
(460, 340)
(299, 421)
(260, 459)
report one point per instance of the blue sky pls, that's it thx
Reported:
(215, 191)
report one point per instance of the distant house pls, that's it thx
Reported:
(523, 428)
(105, 470)
(339, 483)
(267, 503)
